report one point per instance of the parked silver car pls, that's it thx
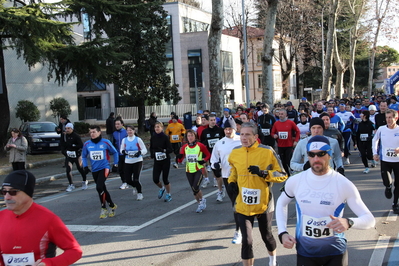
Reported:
(41, 136)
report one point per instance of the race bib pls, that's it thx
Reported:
(334, 125)
(131, 154)
(71, 154)
(212, 142)
(303, 136)
(363, 137)
(175, 137)
(96, 155)
(250, 196)
(192, 158)
(266, 131)
(316, 227)
(390, 152)
(283, 135)
(25, 259)
(159, 156)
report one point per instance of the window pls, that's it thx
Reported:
(259, 53)
(260, 77)
(190, 25)
(227, 69)
(277, 80)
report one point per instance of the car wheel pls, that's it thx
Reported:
(30, 151)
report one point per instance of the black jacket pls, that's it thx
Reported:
(209, 134)
(71, 142)
(364, 127)
(160, 143)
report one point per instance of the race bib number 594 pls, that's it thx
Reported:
(315, 227)
(250, 196)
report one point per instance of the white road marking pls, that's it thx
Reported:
(392, 217)
(377, 258)
(131, 229)
(394, 257)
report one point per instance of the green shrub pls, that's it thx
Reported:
(27, 111)
(81, 127)
(60, 106)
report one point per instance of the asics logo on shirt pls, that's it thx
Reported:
(316, 195)
(316, 223)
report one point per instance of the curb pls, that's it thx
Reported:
(54, 177)
(7, 170)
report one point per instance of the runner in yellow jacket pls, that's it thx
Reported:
(253, 168)
(176, 132)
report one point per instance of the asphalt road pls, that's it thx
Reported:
(153, 232)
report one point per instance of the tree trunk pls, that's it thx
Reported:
(372, 60)
(5, 107)
(352, 55)
(327, 77)
(215, 71)
(341, 68)
(268, 53)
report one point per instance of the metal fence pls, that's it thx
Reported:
(162, 111)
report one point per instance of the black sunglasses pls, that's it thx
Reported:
(11, 192)
(319, 154)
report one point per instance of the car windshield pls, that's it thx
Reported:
(40, 128)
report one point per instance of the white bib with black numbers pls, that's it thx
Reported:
(25, 259)
(316, 227)
(250, 196)
(159, 156)
(390, 152)
(212, 142)
(71, 154)
(175, 137)
(192, 158)
(266, 131)
(97, 155)
(131, 154)
(283, 135)
(363, 137)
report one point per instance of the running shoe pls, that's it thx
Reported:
(346, 161)
(205, 183)
(388, 192)
(395, 209)
(103, 213)
(112, 211)
(134, 191)
(203, 204)
(219, 196)
(366, 171)
(175, 165)
(373, 163)
(161, 192)
(70, 188)
(199, 209)
(123, 186)
(223, 191)
(84, 185)
(215, 182)
(140, 196)
(208, 168)
(237, 238)
(168, 197)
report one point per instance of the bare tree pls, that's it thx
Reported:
(214, 42)
(341, 65)
(268, 52)
(332, 21)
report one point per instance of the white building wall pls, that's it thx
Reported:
(32, 85)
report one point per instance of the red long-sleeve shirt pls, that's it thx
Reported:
(284, 131)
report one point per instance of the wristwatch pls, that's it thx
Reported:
(350, 222)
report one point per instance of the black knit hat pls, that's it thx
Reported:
(22, 180)
(316, 121)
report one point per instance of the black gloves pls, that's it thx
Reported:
(306, 166)
(232, 189)
(216, 166)
(137, 154)
(114, 168)
(201, 162)
(179, 156)
(254, 169)
(124, 152)
(86, 170)
(341, 170)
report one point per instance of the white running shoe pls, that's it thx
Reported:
(208, 168)
(237, 238)
(215, 182)
(134, 191)
(103, 213)
(70, 188)
(140, 196)
(205, 183)
(203, 203)
(112, 211)
(123, 186)
(373, 163)
(219, 196)
(175, 165)
(199, 209)
(84, 185)
(223, 191)
(366, 171)
(346, 161)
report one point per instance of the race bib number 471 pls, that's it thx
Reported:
(250, 196)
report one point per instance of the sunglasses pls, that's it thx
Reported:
(319, 154)
(11, 192)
